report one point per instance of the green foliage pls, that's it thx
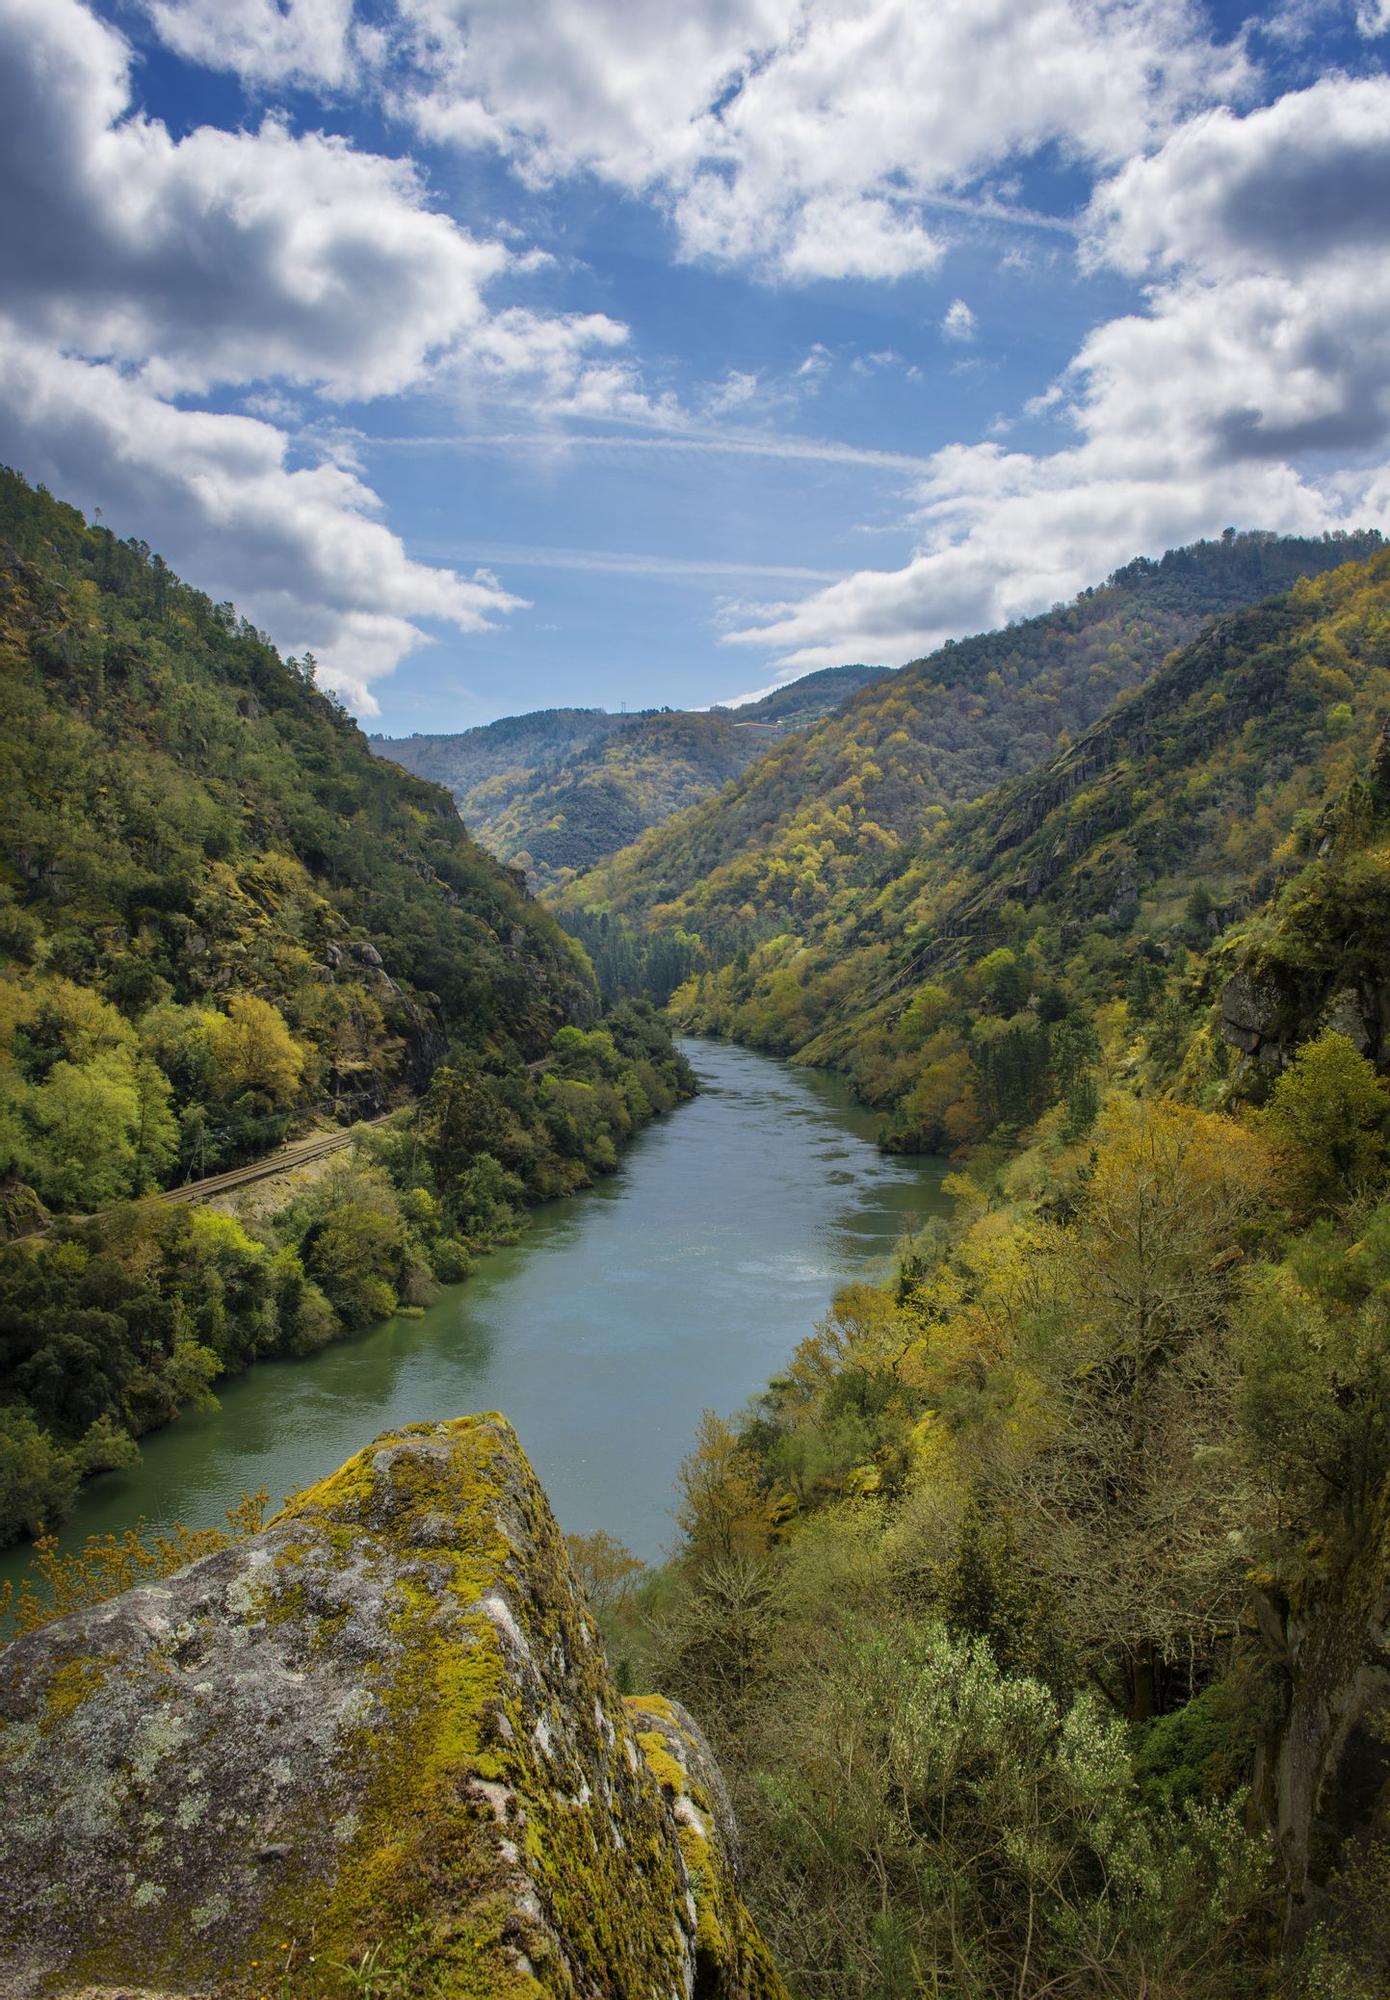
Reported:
(38, 1479)
(1315, 1344)
(956, 1829)
(1332, 1113)
(967, 1601)
(806, 834)
(1203, 1751)
(223, 915)
(1083, 921)
(110, 1326)
(224, 918)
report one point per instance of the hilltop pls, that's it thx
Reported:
(832, 807)
(557, 790)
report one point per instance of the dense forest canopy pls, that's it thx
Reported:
(964, 983)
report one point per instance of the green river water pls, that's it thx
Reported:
(681, 1282)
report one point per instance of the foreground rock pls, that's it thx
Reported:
(374, 1748)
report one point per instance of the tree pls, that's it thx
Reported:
(256, 1051)
(721, 1511)
(38, 1479)
(605, 1569)
(1127, 1504)
(1330, 1112)
(87, 1115)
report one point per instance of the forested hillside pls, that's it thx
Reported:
(975, 980)
(566, 813)
(1037, 1609)
(223, 919)
(828, 808)
(555, 791)
(802, 702)
(512, 744)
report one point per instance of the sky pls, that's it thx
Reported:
(508, 354)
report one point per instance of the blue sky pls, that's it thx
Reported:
(507, 353)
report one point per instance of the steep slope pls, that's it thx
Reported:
(962, 986)
(555, 791)
(825, 809)
(1107, 1465)
(561, 816)
(511, 744)
(221, 917)
(191, 830)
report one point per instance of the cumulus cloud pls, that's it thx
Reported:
(271, 41)
(223, 256)
(807, 142)
(140, 267)
(958, 322)
(1283, 188)
(1254, 387)
(300, 550)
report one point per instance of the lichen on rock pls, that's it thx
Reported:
(381, 1732)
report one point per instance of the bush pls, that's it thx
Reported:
(38, 1479)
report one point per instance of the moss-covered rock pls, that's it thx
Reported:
(374, 1748)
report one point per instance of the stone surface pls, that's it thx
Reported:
(378, 1738)
(1250, 1014)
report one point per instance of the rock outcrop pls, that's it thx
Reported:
(373, 1748)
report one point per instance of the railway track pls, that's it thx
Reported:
(301, 1154)
(283, 1162)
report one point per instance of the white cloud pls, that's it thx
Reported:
(229, 257)
(807, 141)
(1278, 190)
(220, 257)
(299, 550)
(269, 41)
(1254, 388)
(738, 389)
(140, 267)
(958, 322)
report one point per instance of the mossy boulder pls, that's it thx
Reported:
(375, 1747)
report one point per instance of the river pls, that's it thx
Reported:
(681, 1282)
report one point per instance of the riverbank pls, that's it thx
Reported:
(111, 1326)
(683, 1280)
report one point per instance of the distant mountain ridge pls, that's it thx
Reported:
(556, 790)
(830, 807)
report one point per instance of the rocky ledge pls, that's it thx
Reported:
(373, 1749)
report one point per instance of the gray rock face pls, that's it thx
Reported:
(381, 1729)
(1345, 1015)
(1249, 1017)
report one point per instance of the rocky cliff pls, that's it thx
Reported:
(374, 1748)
